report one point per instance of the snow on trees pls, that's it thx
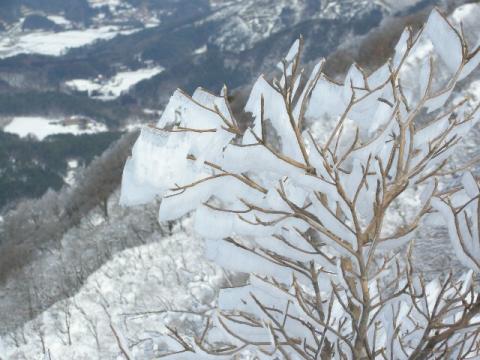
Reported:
(303, 200)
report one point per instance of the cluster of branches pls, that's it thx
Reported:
(311, 214)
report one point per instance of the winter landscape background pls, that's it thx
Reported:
(78, 78)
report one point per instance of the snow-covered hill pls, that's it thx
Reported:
(250, 21)
(133, 296)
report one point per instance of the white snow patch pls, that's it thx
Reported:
(41, 127)
(152, 112)
(73, 163)
(71, 172)
(201, 50)
(84, 85)
(60, 20)
(109, 3)
(96, 219)
(133, 126)
(55, 43)
(114, 87)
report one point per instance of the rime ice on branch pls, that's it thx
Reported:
(306, 212)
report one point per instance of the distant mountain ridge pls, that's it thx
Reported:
(239, 39)
(196, 43)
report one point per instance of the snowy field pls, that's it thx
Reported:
(112, 88)
(41, 127)
(109, 3)
(55, 43)
(60, 20)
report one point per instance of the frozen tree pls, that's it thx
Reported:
(307, 201)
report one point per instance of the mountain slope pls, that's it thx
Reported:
(129, 295)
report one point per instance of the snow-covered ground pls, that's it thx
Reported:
(60, 20)
(55, 43)
(112, 88)
(128, 295)
(201, 50)
(109, 3)
(41, 127)
(71, 172)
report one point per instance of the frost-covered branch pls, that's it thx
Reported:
(305, 199)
